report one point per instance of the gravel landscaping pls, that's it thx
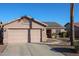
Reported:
(63, 47)
(66, 50)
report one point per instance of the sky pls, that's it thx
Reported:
(52, 12)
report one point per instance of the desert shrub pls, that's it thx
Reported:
(63, 34)
(54, 34)
(76, 45)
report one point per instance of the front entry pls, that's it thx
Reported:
(49, 33)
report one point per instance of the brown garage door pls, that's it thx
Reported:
(35, 35)
(17, 36)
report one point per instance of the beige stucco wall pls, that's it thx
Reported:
(19, 24)
(35, 25)
(63, 30)
(44, 36)
(54, 30)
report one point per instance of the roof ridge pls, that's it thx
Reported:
(28, 18)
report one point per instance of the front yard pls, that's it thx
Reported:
(63, 47)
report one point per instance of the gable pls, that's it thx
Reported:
(24, 22)
(36, 25)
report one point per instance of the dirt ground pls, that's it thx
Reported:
(63, 47)
(66, 50)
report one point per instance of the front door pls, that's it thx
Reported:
(49, 33)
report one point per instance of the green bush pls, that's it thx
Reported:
(76, 45)
(54, 34)
(76, 38)
(63, 34)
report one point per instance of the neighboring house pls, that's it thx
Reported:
(23, 30)
(76, 28)
(53, 27)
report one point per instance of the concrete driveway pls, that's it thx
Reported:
(29, 49)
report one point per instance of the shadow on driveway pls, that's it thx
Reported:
(67, 50)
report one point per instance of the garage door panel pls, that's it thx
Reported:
(35, 36)
(17, 36)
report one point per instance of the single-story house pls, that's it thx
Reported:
(76, 28)
(53, 27)
(23, 30)
(27, 29)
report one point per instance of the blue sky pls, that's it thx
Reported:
(43, 12)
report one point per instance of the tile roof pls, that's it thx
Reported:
(77, 24)
(53, 25)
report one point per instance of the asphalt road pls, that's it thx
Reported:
(29, 49)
